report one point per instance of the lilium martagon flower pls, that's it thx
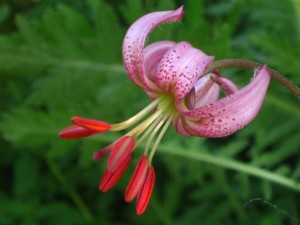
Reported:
(173, 76)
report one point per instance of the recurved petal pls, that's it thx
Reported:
(231, 113)
(153, 54)
(228, 86)
(204, 92)
(180, 126)
(133, 44)
(180, 68)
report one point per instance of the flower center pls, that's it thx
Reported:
(156, 123)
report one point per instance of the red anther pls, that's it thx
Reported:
(109, 179)
(145, 192)
(119, 153)
(102, 152)
(137, 179)
(94, 125)
(75, 131)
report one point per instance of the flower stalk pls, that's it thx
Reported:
(247, 64)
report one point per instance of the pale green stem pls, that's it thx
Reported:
(234, 165)
(247, 64)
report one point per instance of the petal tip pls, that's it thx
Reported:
(133, 44)
(180, 11)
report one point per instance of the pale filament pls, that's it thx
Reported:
(161, 134)
(153, 125)
(164, 119)
(142, 126)
(131, 121)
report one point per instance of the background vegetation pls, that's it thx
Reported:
(63, 58)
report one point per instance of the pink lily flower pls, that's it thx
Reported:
(172, 75)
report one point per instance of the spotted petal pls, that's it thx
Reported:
(229, 114)
(204, 92)
(134, 41)
(228, 86)
(180, 68)
(153, 54)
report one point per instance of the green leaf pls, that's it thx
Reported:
(64, 59)
(25, 176)
(4, 13)
(61, 213)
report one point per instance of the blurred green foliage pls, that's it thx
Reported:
(59, 59)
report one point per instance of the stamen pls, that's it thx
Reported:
(137, 179)
(161, 134)
(142, 126)
(75, 131)
(155, 131)
(90, 124)
(145, 192)
(166, 104)
(153, 125)
(119, 153)
(109, 179)
(102, 152)
(131, 121)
